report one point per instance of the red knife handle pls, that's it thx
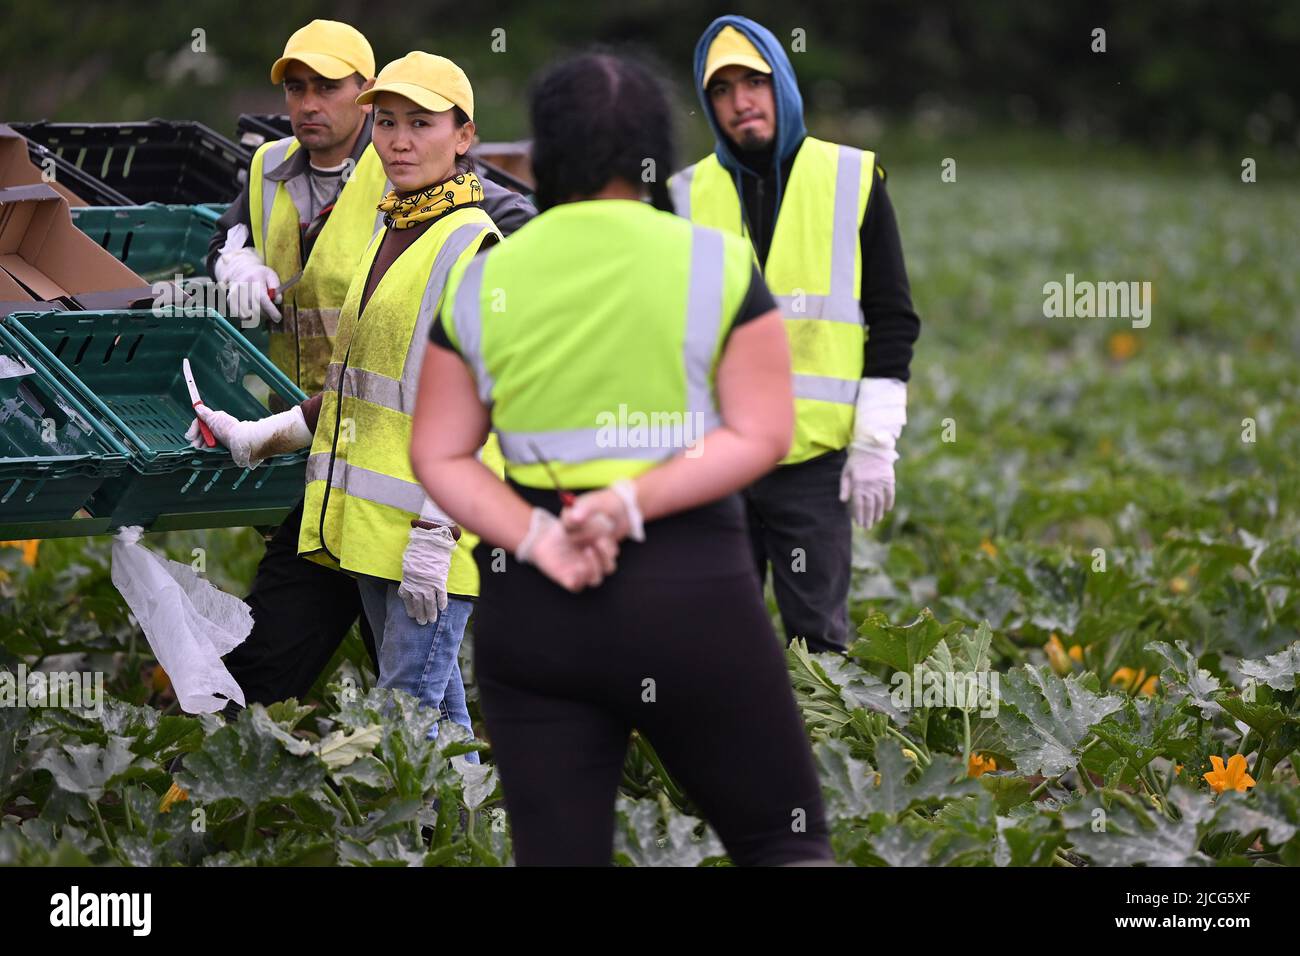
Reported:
(208, 438)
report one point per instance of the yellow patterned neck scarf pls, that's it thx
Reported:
(405, 213)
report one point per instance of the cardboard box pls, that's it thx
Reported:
(49, 260)
(17, 168)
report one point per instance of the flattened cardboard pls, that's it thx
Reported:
(17, 168)
(50, 259)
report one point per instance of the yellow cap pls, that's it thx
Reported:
(332, 49)
(433, 82)
(732, 48)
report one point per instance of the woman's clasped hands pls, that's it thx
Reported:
(579, 549)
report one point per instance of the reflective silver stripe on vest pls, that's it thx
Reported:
(704, 305)
(571, 445)
(467, 317)
(275, 155)
(828, 308)
(703, 320)
(364, 385)
(357, 482)
(844, 230)
(453, 247)
(313, 323)
(679, 187)
(823, 388)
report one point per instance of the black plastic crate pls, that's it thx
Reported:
(87, 187)
(166, 161)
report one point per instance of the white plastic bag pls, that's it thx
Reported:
(189, 623)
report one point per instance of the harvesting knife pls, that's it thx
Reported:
(195, 401)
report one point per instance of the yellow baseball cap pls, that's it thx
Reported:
(332, 49)
(433, 82)
(732, 48)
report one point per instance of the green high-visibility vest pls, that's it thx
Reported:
(361, 490)
(814, 269)
(593, 335)
(302, 342)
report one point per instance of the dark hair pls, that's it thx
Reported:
(464, 163)
(599, 116)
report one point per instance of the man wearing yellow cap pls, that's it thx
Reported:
(824, 232)
(299, 229)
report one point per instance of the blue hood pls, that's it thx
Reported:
(790, 129)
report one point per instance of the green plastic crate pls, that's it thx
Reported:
(52, 459)
(125, 367)
(155, 241)
(159, 242)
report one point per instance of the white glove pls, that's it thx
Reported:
(425, 565)
(867, 480)
(251, 442)
(552, 551)
(249, 281)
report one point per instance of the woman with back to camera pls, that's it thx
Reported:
(602, 310)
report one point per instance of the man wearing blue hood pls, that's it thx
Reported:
(824, 232)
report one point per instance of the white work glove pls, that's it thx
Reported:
(867, 480)
(571, 565)
(611, 512)
(252, 442)
(250, 283)
(425, 565)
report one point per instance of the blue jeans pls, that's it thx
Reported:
(421, 659)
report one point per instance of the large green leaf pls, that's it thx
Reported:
(831, 687)
(252, 761)
(1277, 670)
(1127, 833)
(901, 646)
(857, 791)
(1144, 729)
(1027, 842)
(649, 834)
(89, 769)
(905, 846)
(12, 723)
(1184, 677)
(1273, 809)
(1045, 719)
(1262, 715)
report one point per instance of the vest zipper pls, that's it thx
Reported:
(338, 417)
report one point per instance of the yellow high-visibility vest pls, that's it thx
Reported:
(361, 490)
(814, 269)
(302, 342)
(594, 336)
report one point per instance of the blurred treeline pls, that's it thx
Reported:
(1179, 76)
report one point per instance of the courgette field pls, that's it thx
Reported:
(1101, 519)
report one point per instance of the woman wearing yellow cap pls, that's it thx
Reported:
(364, 510)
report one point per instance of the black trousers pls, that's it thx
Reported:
(676, 643)
(301, 613)
(799, 526)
